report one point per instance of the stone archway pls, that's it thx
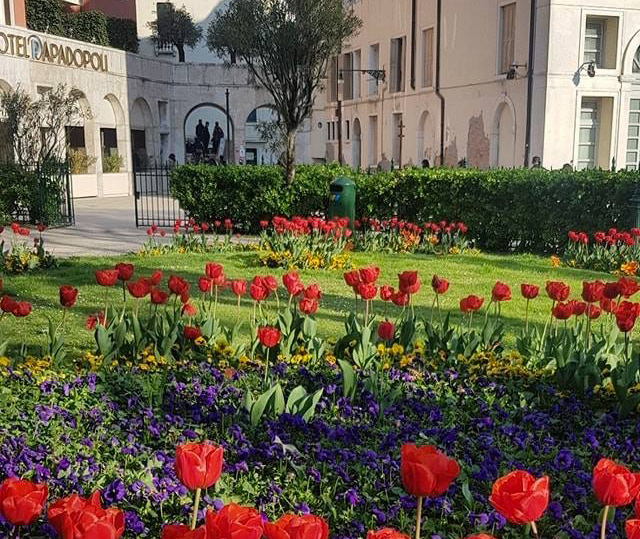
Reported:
(142, 134)
(212, 113)
(356, 145)
(503, 135)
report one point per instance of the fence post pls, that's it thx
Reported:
(136, 195)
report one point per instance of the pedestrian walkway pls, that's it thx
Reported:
(103, 226)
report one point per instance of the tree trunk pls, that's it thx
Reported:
(290, 157)
(181, 56)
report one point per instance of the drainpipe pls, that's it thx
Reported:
(438, 92)
(530, 65)
(413, 43)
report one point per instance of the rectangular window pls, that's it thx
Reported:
(397, 64)
(75, 137)
(332, 80)
(163, 108)
(348, 126)
(593, 41)
(357, 76)
(374, 63)
(633, 140)
(373, 140)
(507, 37)
(427, 58)
(588, 136)
(7, 12)
(347, 74)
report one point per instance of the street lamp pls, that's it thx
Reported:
(380, 75)
(513, 71)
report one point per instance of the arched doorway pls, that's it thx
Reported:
(142, 143)
(196, 123)
(260, 129)
(503, 136)
(425, 139)
(356, 144)
(80, 139)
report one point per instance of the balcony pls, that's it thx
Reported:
(164, 48)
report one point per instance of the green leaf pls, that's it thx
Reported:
(349, 379)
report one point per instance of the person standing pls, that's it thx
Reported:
(206, 138)
(218, 135)
(199, 130)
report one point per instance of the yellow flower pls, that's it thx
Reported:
(555, 261)
(200, 341)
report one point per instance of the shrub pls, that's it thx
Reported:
(79, 161)
(46, 16)
(13, 191)
(123, 34)
(89, 26)
(111, 163)
(525, 210)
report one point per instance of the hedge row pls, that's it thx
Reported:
(526, 210)
(49, 17)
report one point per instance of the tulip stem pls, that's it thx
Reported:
(196, 503)
(603, 528)
(419, 517)
(526, 318)
(534, 529)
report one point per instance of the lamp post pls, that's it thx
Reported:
(227, 146)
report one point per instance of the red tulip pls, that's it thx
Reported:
(613, 484)
(269, 283)
(409, 282)
(471, 304)
(180, 531)
(352, 278)
(501, 292)
(292, 283)
(386, 293)
(125, 271)
(529, 291)
(386, 533)
(297, 527)
(636, 508)
(204, 284)
(258, 292)
(107, 277)
(239, 287)
(191, 333)
(562, 311)
(21, 309)
(632, 529)
(440, 286)
(140, 288)
(213, 271)
(367, 291)
(268, 336)
(68, 296)
(21, 502)
(557, 291)
(188, 309)
(625, 323)
(159, 297)
(611, 290)
(313, 292)
(308, 306)
(369, 275)
(519, 497)
(608, 305)
(386, 331)
(627, 287)
(234, 522)
(593, 312)
(578, 307)
(425, 471)
(198, 465)
(7, 304)
(400, 299)
(93, 320)
(75, 517)
(177, 285)
(592, 292)
(156, 278)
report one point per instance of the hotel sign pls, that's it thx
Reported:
(41, 50)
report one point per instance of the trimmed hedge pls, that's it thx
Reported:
(88, 26)
(123, 34)
(46, 16)
(526, 210)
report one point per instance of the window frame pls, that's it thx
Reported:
(595, 126)
(427, 57)
(506, 38)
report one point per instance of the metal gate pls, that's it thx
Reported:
(50, 198)
(154, 203)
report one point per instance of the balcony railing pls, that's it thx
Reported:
(164, 48)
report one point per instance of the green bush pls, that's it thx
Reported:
(123, 34)
(46, 16)
(14, 191)
(525, 210)
(88, 26)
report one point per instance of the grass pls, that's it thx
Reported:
(468, 274)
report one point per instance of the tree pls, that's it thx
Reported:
(36, 128)
(176, 26)
(286, 44)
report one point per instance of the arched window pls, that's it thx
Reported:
(636, 62)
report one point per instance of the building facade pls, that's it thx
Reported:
(143, 107)
(493, 83)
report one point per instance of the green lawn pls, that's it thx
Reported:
(468, 274)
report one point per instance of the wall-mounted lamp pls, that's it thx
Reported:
(513, 71)
(589, 67)
(379, 75)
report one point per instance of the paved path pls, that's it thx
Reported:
(103, 226)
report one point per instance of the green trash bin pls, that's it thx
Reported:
(343, 199)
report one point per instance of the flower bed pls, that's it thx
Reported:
(19, 256)
(612, 251)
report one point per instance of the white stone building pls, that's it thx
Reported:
(493, 82)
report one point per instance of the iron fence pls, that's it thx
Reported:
(41, 194)
(153, 200)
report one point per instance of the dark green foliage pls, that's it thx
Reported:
(123, 34)
(88, 26)
(46, 16)
(523, 210)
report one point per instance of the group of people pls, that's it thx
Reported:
(209, 146)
